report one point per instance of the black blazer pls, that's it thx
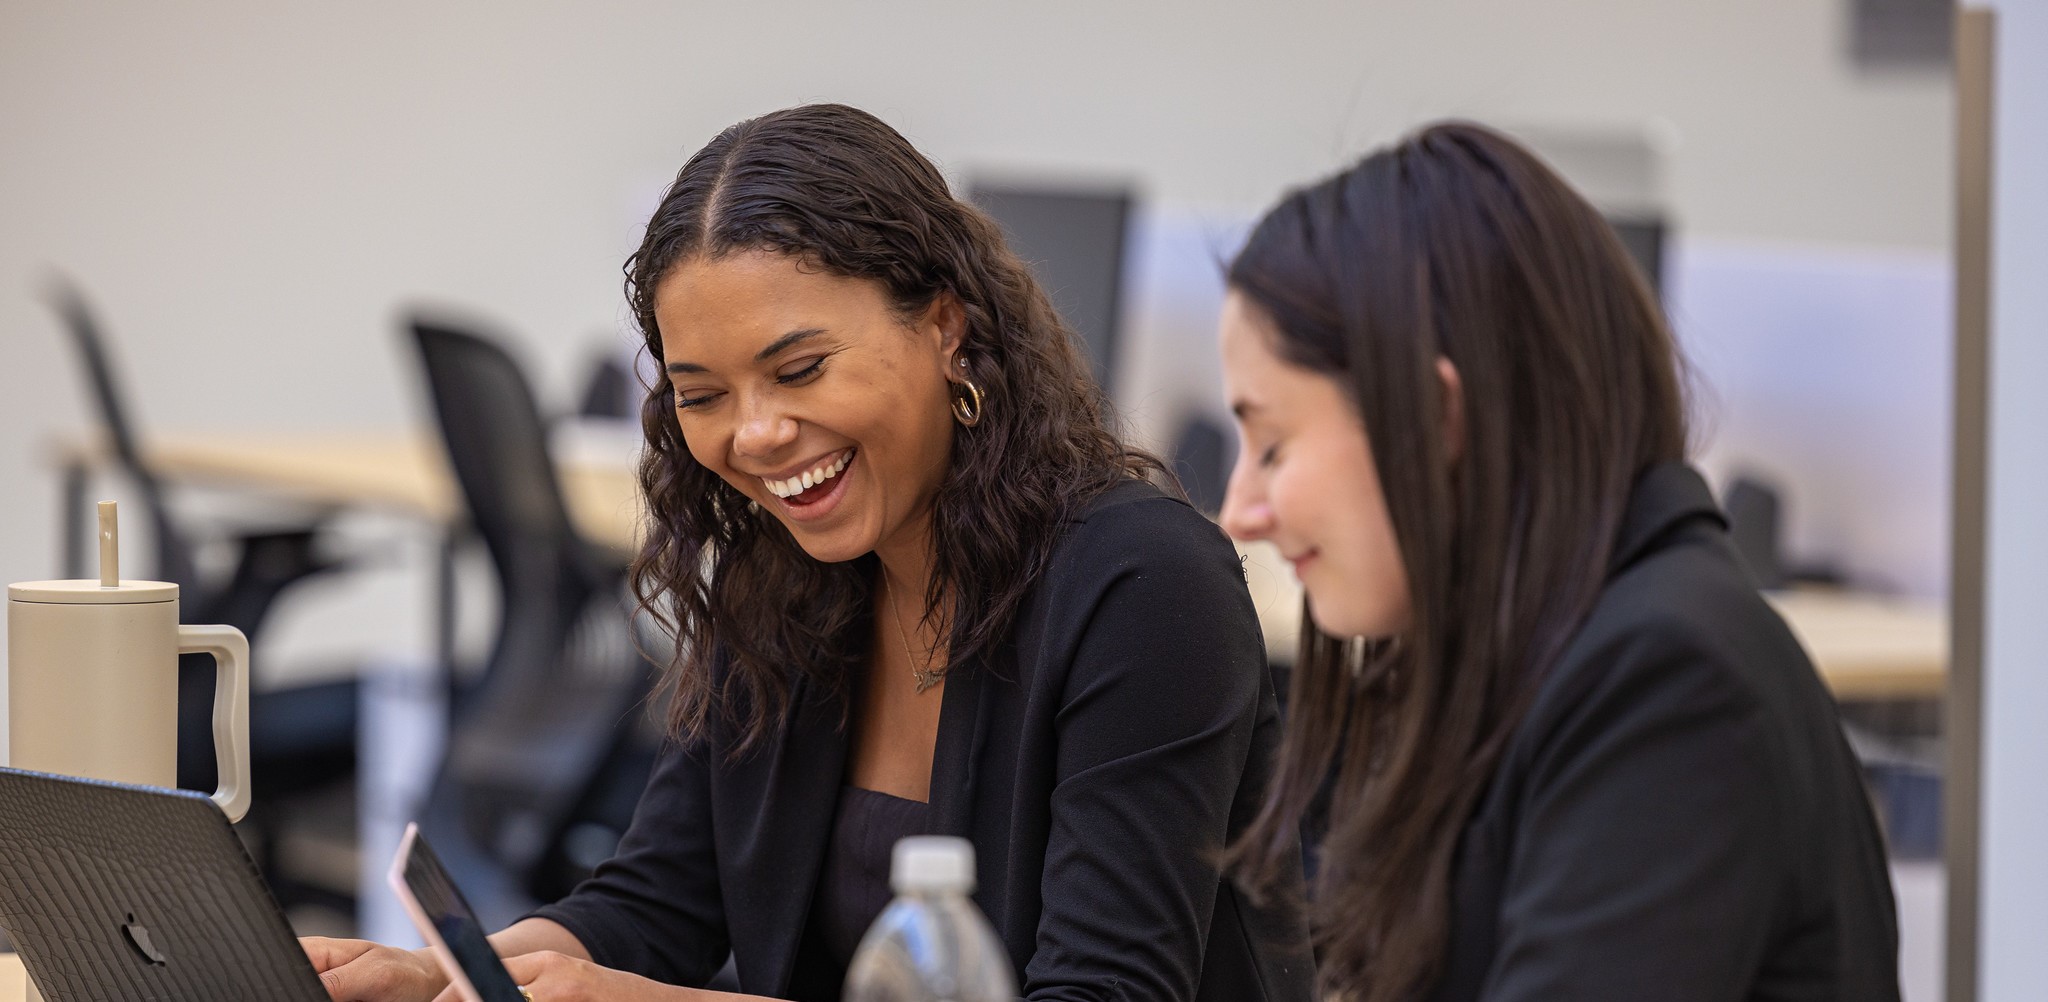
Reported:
(1678, 816)
(1098, 761)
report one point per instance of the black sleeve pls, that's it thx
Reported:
(1651, 852)
(1153, 731)
(654, 908)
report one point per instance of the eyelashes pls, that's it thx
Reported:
(797, 378)
(805, 374)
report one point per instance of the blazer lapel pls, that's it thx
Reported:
(961, 723)
(792, 830)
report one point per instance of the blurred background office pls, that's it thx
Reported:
(270, 208)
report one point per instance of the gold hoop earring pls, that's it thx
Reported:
(967, 407)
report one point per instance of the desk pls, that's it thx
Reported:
(1871, 647)
(396, 471)
(1866, 647)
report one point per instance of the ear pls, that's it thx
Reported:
(945, 322)
(1451, 390)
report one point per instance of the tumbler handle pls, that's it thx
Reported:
(230, 650)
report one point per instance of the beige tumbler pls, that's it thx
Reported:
(92, 680)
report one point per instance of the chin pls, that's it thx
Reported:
(831, 547)
(1339, 626)
(1349, 621)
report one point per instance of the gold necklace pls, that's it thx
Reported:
(926, 676)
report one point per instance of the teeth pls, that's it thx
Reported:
(809, 478)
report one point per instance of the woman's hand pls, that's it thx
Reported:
(357, 970)
(556, 977)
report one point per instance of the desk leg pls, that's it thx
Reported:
(401, 742)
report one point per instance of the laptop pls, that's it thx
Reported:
(118, 892)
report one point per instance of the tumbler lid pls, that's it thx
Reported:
(86, 591)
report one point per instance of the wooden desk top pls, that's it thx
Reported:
(396, 471)
(1866, 647)
(1871, 647)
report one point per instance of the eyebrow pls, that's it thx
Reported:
(776, 347)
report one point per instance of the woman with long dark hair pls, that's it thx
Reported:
(917, 586)
(1567, 751)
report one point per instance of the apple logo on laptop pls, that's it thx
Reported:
(137, 935)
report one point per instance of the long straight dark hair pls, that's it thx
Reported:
(841, 191)
(1456, 244)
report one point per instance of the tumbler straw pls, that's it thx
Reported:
(110, 547)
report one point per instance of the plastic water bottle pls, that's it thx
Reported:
(931, 944)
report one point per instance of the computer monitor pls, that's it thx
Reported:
(1073, 237)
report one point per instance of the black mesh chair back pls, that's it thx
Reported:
(497, 445)
(558, 693)
(174, 560)
(267, 561)
(529, 756)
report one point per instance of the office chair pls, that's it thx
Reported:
(1754, 525)
(543, 745)
(301, 739)
(610, 391)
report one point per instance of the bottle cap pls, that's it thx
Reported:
(926, 864)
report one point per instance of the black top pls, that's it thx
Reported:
(853, 882)
(1098, 760)
(1678, 816)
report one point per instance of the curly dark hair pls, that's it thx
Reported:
(841, 191)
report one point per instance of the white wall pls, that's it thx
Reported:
(1826, 370)
(250, 189)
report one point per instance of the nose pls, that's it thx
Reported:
(763, 430)
(1246, 516)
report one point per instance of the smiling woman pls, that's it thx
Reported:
(1562, 747)
(917, 587)
(813, 289)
